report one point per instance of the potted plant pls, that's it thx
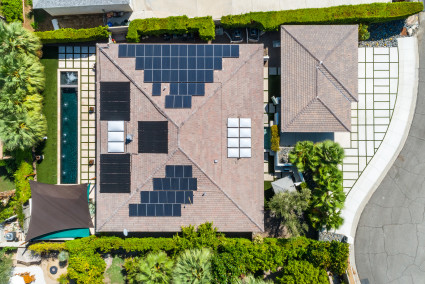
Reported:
(63, 258)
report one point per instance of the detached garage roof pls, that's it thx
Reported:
(319, 77)
(57, 208)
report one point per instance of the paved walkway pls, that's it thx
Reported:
(390, 238)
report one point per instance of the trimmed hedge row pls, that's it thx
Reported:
(12, 10)
(346, 14)
(73, 35)
(177, 25)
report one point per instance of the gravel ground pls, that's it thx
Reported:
(384, 34)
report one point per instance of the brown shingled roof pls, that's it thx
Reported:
(230, 192)
(318, 77)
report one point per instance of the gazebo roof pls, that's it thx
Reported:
(57, 207)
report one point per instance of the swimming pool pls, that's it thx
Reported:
(69, 136)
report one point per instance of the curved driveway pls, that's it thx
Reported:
(390, 237)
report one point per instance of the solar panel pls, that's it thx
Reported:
(148, 75)
(162, 197)
(157, 50)
(178, 102)
(188, 197)
(177, 210)
(157, 63)
(159, 208)
(140, 50)
(166, 184)
(150, 210)
(131, 50)
(191, 50)
(156, 76)
(115, 173)
(193, 184)
(187, 101)
(182, 75)
(209, 63)
(180, 197)
(153, 196)
(182, 50)
(140, 63)
(153, 136)
(171, 197)
(157, 184)
(217, 63)
(166, 64)
(141, 210)
(166, 50)
(132, 210)
(148, 62)
(191, 63)
(122, 50)
(175, 183)
(209, 76)
(200, 50)
(234, 51)
(148, 50)
(174, 89)
(144, 196)
(218, 50)
(178, 171)
(182, 89)
(156, 89)
(168, 210)
(184, 184)
(226, 50)
(169, 101)
(115, 101)
(174, 62)
(209, 50)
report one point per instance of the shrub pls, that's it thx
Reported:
(275, 138)
(250, 279)
(86, 268)
(155, 268)
(303, 272)
(12, 10)
(22, 177)
(363, 32)
(63, 279)
(6, 266)
(63, 256)
(346, 14)
(193, 266)
(44, 247)
(290, 207)
(73, 35)
(319, 162)
(175, 25)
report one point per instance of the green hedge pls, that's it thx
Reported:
(232, 256)
(346, 14)
(275, 138)
(73, 35)
(172, 25)
(12, 10)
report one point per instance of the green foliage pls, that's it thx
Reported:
(346, 14)
(290, 207)
(319, 162)
(63, 279)
(171, 25)
(275, 138)
(22, 177)
(193, 266)
(250, 279)
(114, 272)
(339, 257)
(363, 32)
(86, 268)
(303, 272)
(226, 267)
(73, 35)
(63, 256)
(12, 10)
(6, 265)
(154, 268)
(16, 39)
(46, 247)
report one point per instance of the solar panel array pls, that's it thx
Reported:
(115, 101)
(168, 194)
(153, 137)
(177, 64)
(115, 173)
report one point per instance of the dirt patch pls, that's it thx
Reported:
(44, 21)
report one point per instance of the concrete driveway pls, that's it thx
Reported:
(390, 238)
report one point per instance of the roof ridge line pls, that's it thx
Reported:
(334, 115)
(220, 87)
(138, 188)
(234, 202)
(343, 39)
(300, 44)
(137, 86)
(337, 81)
(300, 112)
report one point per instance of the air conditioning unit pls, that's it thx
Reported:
(10, 237)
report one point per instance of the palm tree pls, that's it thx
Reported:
(15, 38)
(20, 71)
(193, 266)
(155, 268)
(301, 154)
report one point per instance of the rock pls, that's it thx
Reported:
(403, 32)
(410, 31)
(412, 20)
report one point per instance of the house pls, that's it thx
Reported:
(179, 137)
(77, 7)
(318, 77)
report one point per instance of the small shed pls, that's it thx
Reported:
(284, 184)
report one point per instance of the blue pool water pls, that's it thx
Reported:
(69, 138)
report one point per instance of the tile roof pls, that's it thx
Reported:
(318, 77)
(229, 193)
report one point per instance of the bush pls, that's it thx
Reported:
(155, 268)
(275, 138)
(63, 256)
(346, 14)
(171, 25)
(303, 272)
(73, 35)
(6, 265)
(12, 10)
(363, 32)
(290, 207)
(44, 247)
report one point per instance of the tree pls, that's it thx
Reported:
(155, 268)
(6, 265)
(193, 266)
(290, 207)
(301, 154)
(14, 38)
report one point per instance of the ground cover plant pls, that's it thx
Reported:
(6, 266)
(346, 14)
(230, 258)
(12, 10)
(319, 163)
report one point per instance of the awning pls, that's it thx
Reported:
(56, 208)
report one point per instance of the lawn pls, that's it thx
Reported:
(5, 182)
(47, 169)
